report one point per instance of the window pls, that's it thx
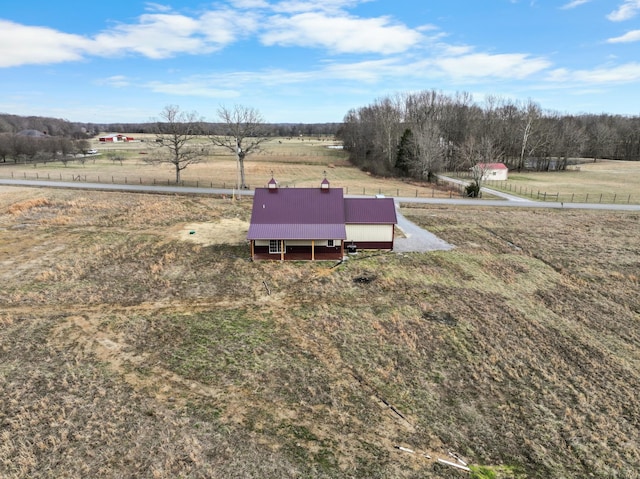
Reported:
(274, 247)
(330, 243)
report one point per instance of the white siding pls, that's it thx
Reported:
(498, 175)
(299, 242)
(369, 232)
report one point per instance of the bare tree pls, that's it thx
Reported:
(431, 151)
(174, 132)
(479, 154)
(532, 116)
(244, 132)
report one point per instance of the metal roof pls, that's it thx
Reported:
(297, 231)
(370, 211)
(492, 166)
(297, 213)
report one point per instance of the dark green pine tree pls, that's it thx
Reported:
(406, 153)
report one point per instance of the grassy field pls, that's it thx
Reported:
(605, 181)
(137, 340)
(293, 162)
(305, 161)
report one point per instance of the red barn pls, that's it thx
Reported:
(115, 138)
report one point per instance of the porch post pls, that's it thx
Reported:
(253, 252)
(281, 250)
(313, 250)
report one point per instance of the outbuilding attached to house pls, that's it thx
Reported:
(370, 222)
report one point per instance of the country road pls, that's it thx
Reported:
(509, 200)
(416, 239)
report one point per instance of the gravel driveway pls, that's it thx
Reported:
(418, 240)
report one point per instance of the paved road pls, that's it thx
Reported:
(512, 201)
(417, 239)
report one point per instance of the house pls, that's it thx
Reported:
(492, 171)
(317, 223)
(115, 138)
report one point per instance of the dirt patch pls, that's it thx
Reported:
(225, 231)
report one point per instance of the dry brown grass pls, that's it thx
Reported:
(132, 348)
(295, 162)
(605, 181)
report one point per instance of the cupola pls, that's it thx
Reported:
(324, 186)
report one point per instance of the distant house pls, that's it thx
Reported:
(115, 138)
(317, 223)
(492, 171)
(32, 133)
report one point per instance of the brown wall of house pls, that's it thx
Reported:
(298, 253)
(370, 244)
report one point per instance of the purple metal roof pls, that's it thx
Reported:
(297, 213)
(370, 211)
(296, 231)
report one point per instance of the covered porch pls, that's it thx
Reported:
(280, 250)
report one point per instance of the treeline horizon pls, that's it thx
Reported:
(420, 134)
(13, 124)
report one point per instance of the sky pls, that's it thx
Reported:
(299, 61)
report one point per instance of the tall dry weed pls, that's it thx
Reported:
(18, 208)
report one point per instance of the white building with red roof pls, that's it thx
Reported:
(493, 171)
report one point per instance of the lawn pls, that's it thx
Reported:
(605, 181)
(293, 162)
(138, 340)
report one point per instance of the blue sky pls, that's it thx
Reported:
(312, 61)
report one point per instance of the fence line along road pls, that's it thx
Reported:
(501, 188)
(399, 199)
(424, 191)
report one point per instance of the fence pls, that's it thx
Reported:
(536, 194)
(452, 190)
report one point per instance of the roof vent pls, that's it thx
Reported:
(325, 183)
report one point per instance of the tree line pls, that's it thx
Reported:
(420, 134)
(78, 130)
(34, 139)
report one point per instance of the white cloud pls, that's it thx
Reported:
(341, 34)
(117, 81)
(302, 6)
(192, 88)
(626, 11)
(156, 7)
(249, 4)
(23, 45)
(632, 36)
(626, 73)
(573, 4)
(479, 65)
(155, 36)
